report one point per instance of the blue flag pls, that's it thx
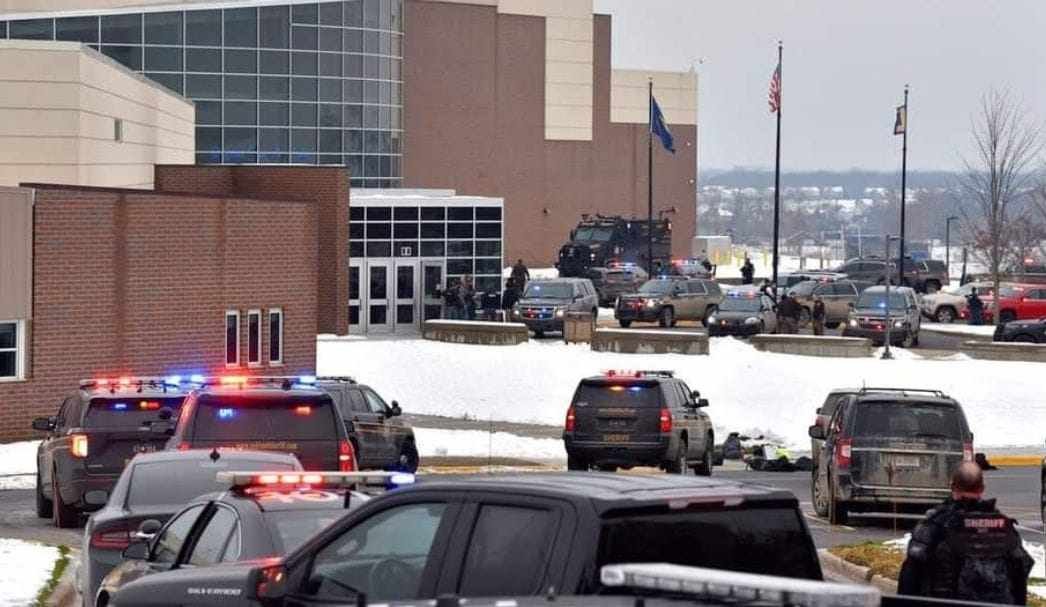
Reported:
(658, 126)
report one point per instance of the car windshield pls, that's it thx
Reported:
(293, 527)
(805, 288)
(594, 234)
(739, 303)
(628, 394)
(768, 540)
(129, 412)
(548, 290)
(906, 419)
(226, 417)
(877, 299)
(177, 482)
(657, 287)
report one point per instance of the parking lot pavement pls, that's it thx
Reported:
(18, 520)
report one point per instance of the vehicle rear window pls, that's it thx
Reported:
(550, 290)
(769, 540)
(293, 527)
(128, 412)
(632, 394)
(235, 418)
(906, 419)
(177, 482)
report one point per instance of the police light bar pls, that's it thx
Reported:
(285, 382)
(736, 586)
(139, 382)
(312, 480)
(637, 374)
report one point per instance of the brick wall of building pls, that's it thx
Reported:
(136, 282)
(326, 187)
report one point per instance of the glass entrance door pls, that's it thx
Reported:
(380, 319)
(356, 324)
(432, 284)
(406, 300)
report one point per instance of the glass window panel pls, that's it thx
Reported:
(459, 213)
(353, 116)
(370, 142)
(370, 117)
(122, 29)
(488, 230)
(304, 38)
(239, 158)
(459, 266)
(274, 114)
(395, 166)
(371, 166)
(405, 230)
(171, 81)
(303, 89)
(370, 183)
(354, 142)
(241, 27)
(331, 159)
(405, 248)
(163, 58)
(394, 119)
(356, 214)
(203, 28)
(485, 248)
(270, 87)
(405, 214)
(33, 29)
(395, 141)
(379, 214)
(274, 27)
(240, 140)
(303, 64)
(208, 112)
(303, 114)
(330, 141)
(383, 142)
(304, 13)
(383, 68)
(352, 91)
(241, 87)
(330, 89)
(303, 158)
(241, 62)
(370, 42)
(459, 248)
(397, 45)
(76, 29)
(203, 60)
(354, 13)
(394, 72)
(330, 39)
(274, 62)
(379, 231)
(384, 93)
(208, 157)
(129, 56)
(433, 230)
(370, 91)
(386, 14)
(356, 231)
(208, 139)
(370, 68)
(355, 164)
(379, 249)
(488, 266)
(352, 67)
(303, 140)
(330, 115)
(355, 247)
(330, 13)
(371, 13)
(396, 88)
(163, 28)
(241, 113)
(432, 213)
(384, 160)
(330, 64)
(203, 86)
(352, 40)
(273, 140)
(432, 249)
(459, 230)
(385, 43)
(488, 214)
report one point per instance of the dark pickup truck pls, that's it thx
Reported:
(506, 535)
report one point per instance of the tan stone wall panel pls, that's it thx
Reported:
(16, 253)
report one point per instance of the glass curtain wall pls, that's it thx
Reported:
(317, 83)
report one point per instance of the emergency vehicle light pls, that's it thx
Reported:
(736, 586)
(307, 379)
(330, 480)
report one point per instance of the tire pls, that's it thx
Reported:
(608, 468)
(908, 340)
(818, 497)
(63, 515)
(1024, 338)
(945, 314)
(678, 464)
(709, 311)
(831, 325)
(625, 323)
(837, 510)
(705, 467)
(43, 505)
(576, 464)
(1007, 316)
(408, 461)
(666, 318)
(538, 333)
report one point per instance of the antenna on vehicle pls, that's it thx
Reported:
(215, 455)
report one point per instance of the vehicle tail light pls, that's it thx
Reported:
(665, 420)
(79, 445)
(967, 451)
(571, 421)
(843, 452)
(184, 446)
(346, 457)
(111, 539)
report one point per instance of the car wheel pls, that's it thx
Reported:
(62, 515)
(538, 333)
(43, 505)
(625, 323)
(1007, 316)
(818, 495)
(709, 312)
(608, 468)
(678, 464)
(101, 601)
(1024, 338)
(576, 464)
(705, 467)
(945, 314)
(837, 510)
(831, 325)
(666, 318)
(907, 340)
(408, 461)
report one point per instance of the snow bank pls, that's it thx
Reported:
(750, 391)
(27, 567)
(960, 329)
(476, 443)
(16, 459)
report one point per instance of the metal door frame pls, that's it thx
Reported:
(424, 300)
(390, 313)
(359, 301)
(414, 301)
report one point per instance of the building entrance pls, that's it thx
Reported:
(392, 295)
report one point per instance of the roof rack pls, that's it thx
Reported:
(904, 391)
(344, 378)
(285, 382)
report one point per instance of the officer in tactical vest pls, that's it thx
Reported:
(965, 549)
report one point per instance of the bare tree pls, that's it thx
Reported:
(1006, 144)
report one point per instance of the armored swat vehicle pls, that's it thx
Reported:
(599, 240)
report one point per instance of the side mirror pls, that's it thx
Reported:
(395, 410)
(146, 530)
(817, 432)
(702, 402)
(136, 551)
(44, 424)
(695, 395)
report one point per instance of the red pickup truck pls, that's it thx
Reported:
(1018, 302)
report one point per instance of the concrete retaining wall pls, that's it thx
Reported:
(1035, 353)
(810, 345)
(475, 332)
(637, 341)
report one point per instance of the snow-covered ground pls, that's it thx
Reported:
(750, 391)
(16, 459)
(26, 568)
(961, 329)
(476, 443)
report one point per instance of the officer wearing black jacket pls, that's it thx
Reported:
(965, 549)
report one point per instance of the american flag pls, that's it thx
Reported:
(775, 90)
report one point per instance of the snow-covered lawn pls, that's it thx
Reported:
(16, 459)
(26, 568)
(476, 443)
(750, 391)
(960, 329)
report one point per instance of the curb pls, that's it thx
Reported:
(1015, 461)
(855, 573)
(65, 594)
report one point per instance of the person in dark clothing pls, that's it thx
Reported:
(490, 303)
(707, 264)
(817, 315)
(452, 303)
(965, 549)
(520, 274)
(975, 306)
(747, 272)
(468, 298)
(788, 311)
(509, 298)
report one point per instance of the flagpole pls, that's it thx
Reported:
(904, 176)
(650, 179)
(777, 167)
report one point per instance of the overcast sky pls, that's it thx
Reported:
(845, 66)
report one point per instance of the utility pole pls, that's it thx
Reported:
(777, 166)
(650, 180)
(904, 188)
(948, 244)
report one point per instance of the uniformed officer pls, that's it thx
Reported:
(965, 549)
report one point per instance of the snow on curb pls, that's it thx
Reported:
(476, 443)
(27, 567)
(18, 465)
(971, 331)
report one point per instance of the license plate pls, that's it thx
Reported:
(907, 462)
(146, 448)
(618, 423)
(616, 438)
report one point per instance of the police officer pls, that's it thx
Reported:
(965, 549)
(817, 315)
(747, 271)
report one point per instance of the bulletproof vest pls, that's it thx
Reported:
(979, 545)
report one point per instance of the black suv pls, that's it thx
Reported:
(96, 431)
(889, 451)
(507, 535)
(642, 418)
(284, 414)
(1023, 331)
(380, 442)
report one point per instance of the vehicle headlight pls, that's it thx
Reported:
(898, 324)
(559, 312)
(592, 256)
(752, 320)
(853, 322)
(712, 319)
(650, 303)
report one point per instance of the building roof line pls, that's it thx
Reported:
(154, 8)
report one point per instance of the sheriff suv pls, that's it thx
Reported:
(642, 418)
(508, 535)
(666, 300)
(380, 440)
(96, 430)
